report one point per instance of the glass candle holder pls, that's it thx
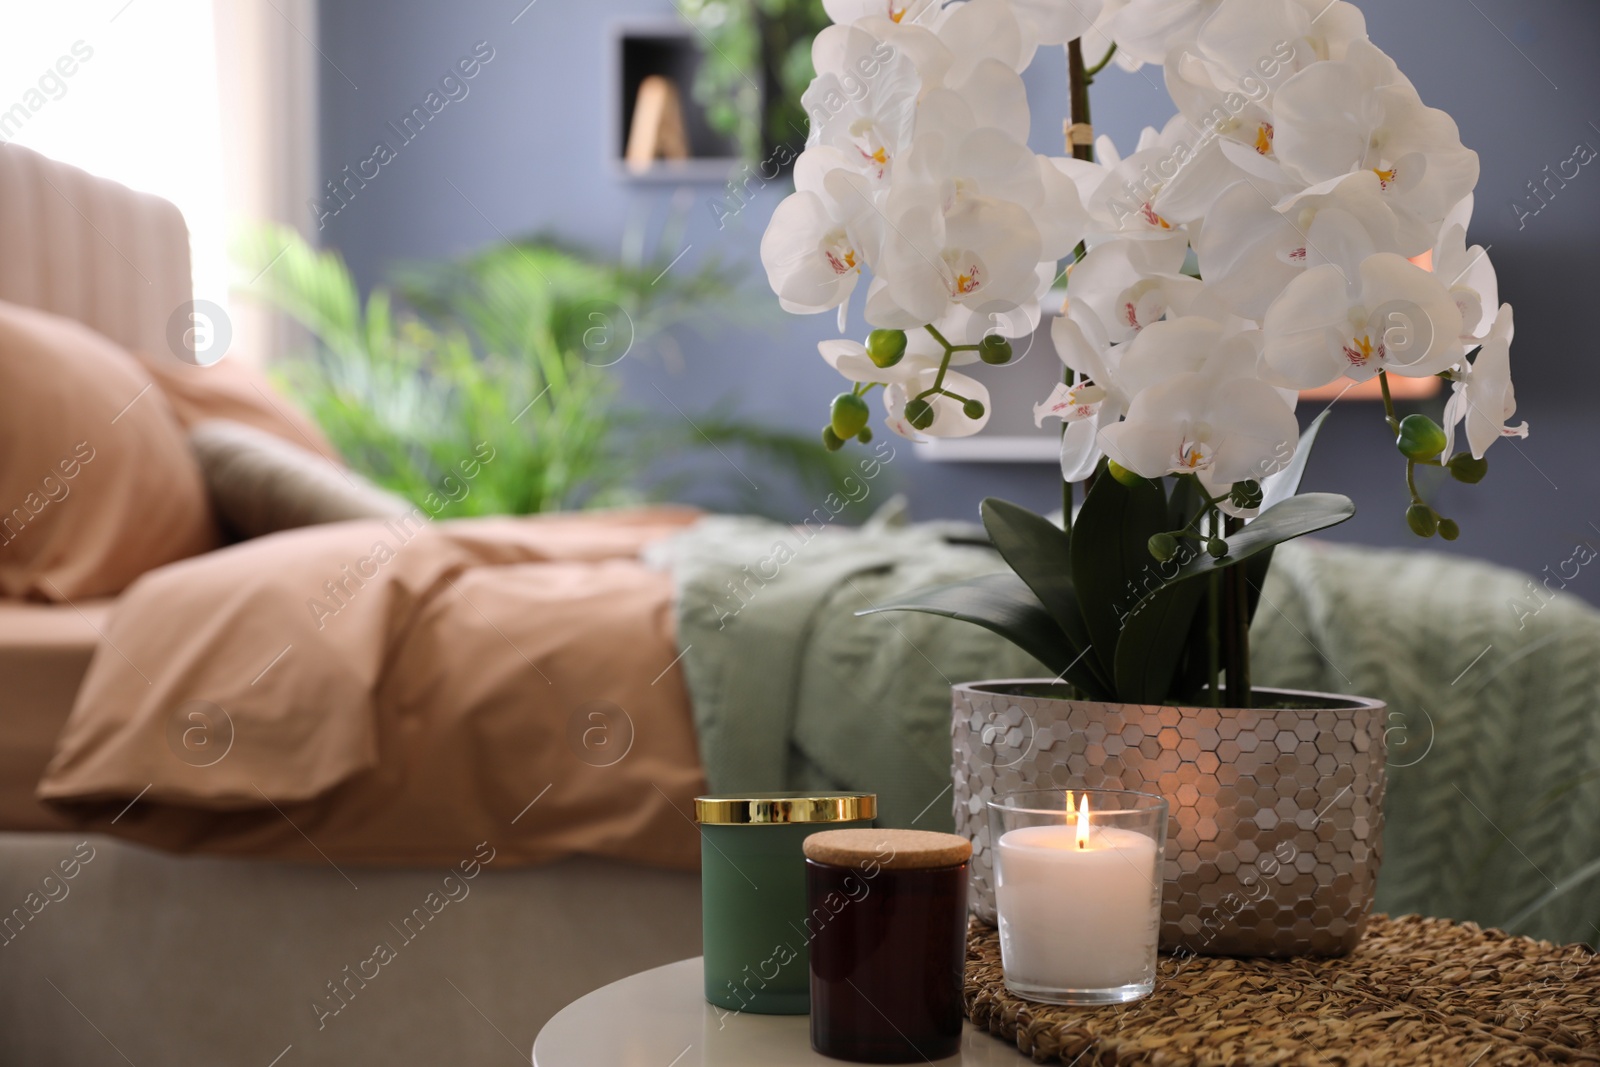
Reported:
(1078, 893)
(887, 921)
(753, 893)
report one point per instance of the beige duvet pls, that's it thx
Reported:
(395, 692)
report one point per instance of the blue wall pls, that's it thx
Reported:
(527, 149)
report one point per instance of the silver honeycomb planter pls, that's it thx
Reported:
(1276, 830)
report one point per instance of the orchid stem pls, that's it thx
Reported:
(1388, 402)
(1098, 67)
(1078, 79)
(1214, 636)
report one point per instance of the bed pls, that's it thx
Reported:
(149, 956)
(251, 930)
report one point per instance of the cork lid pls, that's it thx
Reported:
(895, 850)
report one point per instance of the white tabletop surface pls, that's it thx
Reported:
(660, 1018)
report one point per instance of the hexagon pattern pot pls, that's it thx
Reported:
(1276, 830)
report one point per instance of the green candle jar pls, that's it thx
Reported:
(753, 893)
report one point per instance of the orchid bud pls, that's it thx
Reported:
(994, 350)
(972, 409)
(848, 415)
(1163, 546)
(1423, 520)
(1122, 474)
(919, 413)
(1465, 468)
(885, 347)
(830, 440)
(1420, 438)
(1448, 529)
(1217, 547)
(865, 436)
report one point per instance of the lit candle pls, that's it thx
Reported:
(1079, 907)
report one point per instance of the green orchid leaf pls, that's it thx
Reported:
(1040, 553)
(1112, 569)
(1295, 517)
(1276, 489)
(1286, 483)
(1154, 639)
(1003, 604)
(1255, 572)
(1185, 501)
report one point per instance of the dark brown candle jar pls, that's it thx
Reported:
(887, 923)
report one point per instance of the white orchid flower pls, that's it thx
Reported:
(1055, 22)
(1146, 30)
(1360, 113)
(1220, 428)
(1233, 141)
(1122, 202)
(912, 38)
(1391, 315)
(981, 254)
(1172, 348)
(954, 157)
(996, 96)
(867, 116)
(1200, 407)
(1071, 402)
(1131, 284)
(821, 235)
(1252, 247)
(1081, 406)
(1467, 273)
(1334, 27)
(1484, 399)
(1183, 345)
(1251, 47)
(979, 30)
(845, 12)
(963, 325)
(1060, 215)
(1094, 400)
(956, 154)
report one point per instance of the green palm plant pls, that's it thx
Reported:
(513, 348)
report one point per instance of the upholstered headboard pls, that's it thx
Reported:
(91, 249)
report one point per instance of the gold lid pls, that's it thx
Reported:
(766, 809)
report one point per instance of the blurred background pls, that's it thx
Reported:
(720, 393)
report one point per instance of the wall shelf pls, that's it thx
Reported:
(665, 48)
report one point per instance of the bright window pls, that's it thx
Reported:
(139, 105)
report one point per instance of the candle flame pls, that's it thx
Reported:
(1083, 820)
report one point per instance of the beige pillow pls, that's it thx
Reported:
(232, 389)
(261, 484)
(97, 484)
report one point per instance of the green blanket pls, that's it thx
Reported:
(1495, 729)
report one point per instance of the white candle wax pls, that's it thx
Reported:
(1077, 918)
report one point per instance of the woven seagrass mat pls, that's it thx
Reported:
(1416, 991)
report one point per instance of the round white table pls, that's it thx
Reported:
(659, 1018)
